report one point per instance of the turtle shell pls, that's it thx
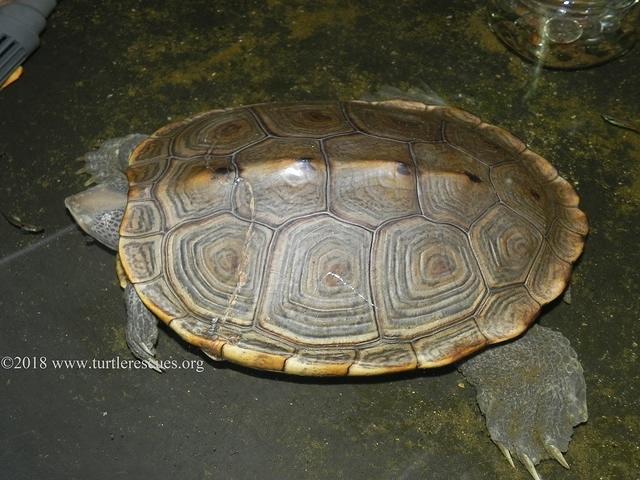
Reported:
(345, 239)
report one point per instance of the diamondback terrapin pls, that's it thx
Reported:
(360, 238)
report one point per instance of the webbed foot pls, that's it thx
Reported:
(108, 163)
(532, 392)
(142, 329)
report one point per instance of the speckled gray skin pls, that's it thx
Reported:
(532, 392)
(106, 227)
(142, 329)
(98, 211)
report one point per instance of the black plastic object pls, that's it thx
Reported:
(21, 22)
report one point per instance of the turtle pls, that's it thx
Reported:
(350, 239)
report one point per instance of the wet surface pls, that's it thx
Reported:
(109, 69)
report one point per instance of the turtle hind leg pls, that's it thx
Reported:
(142, 329)
(532, 393)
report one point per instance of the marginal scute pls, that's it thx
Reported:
(172, 129)
(384, 358)
(149, 149)
(402, 104)
(140, 218)
(506, 313)
(303, 120)
(140, 193)
(253, 358)
(392, 122)
(454, 188)
(449, 344)
(549, 276)
(144, 173)
(455, 115)
(371, 180)
(291, 184)
(471, 139)
(566, 243)
(198, 333)
(574, 219)
(424, 277)
(120, 273)
(258, 351)
(564, 192)
(321, 363)
(540, 169)
(141, 257)
(500, 137)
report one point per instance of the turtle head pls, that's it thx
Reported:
(99, 212)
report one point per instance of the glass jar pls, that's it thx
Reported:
(565, 34)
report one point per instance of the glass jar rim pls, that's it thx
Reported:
(585, 7)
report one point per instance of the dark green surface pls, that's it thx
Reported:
(110, 68)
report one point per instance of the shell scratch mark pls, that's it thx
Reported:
(348, 285)
(241, 273)
(213, 325)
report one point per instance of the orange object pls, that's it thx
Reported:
(15, 75)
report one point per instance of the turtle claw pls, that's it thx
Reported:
(557, 454)
(91, 180)
(531, 468)
(151, 359)
(154, 365)
(147, 350)
(143, 352)
(554, 451)
(505, 451)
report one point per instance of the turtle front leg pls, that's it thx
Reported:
(532, 393)
(142, 329)
(108, 163)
